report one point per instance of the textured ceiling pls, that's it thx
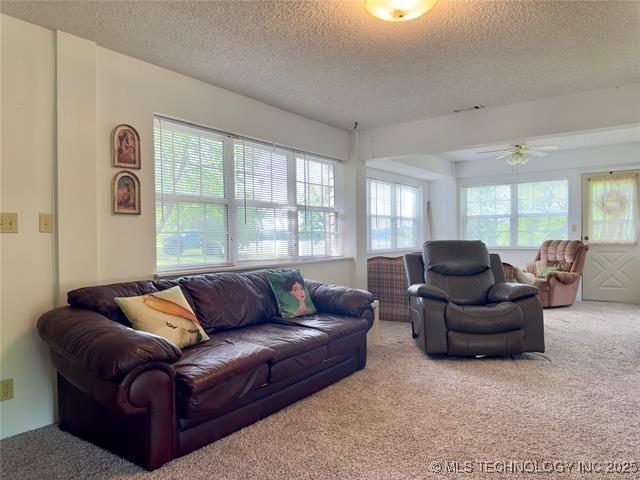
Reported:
(330, 61)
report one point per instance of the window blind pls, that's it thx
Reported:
(222, 199)
(191, 197)
(262, 195)
(316, 205)
(393, 215)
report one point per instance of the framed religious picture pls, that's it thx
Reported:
(125, 143)
(126, 193)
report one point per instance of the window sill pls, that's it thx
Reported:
(249, 266)
(514, 248)
(385, 253)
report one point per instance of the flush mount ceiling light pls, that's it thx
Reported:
(398, 10)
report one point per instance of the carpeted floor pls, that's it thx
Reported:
(580, 402)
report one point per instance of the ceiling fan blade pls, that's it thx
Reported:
(504, 155)
(543, 147)
(536, 153)
(492, 151)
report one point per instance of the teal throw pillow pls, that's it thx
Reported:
(291, 294)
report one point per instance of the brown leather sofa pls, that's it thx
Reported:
(461, 304)
(557, 289)
(139, 396)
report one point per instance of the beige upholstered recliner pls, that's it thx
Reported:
(557, 288)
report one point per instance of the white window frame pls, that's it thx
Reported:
(513, 214)
(394, 180)
(337, 202)
(233, 204)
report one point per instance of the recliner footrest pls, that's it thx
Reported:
(469, 344)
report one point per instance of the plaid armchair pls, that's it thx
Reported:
(388, 284)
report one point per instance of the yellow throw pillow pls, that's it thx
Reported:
(167, 314)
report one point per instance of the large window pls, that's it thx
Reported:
(517, 214)
(392, 215)
(224, 200)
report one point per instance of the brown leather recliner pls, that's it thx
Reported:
(461, 305)
(557, 289)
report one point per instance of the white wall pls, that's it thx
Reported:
(444, 207)
(131, 91)
(61, 98)
(26, 258)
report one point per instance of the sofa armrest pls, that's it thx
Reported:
(338, 300)
(427, 290)
(508, 292)
(563, 277)
(105, 348)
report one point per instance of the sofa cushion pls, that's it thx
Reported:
(204, 404)
(296, 364)
(230, 300)
(205, 365)
(233, 363)
(100, 299)
(490, 318)
(283, 341)
(228, 353)
(335, 326)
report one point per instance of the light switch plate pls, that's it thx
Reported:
(46, 223)
(8, 222)
(574, 228)
(6, 389)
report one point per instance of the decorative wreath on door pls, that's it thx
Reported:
(612, 202)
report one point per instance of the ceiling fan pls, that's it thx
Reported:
(517, 154)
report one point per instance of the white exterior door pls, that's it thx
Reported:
(610, 216)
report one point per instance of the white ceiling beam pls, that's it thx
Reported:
(424, 167)
(551, 116)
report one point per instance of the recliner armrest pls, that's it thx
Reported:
(427, 290)
(564, 277)
(105, 348)
(508, 292)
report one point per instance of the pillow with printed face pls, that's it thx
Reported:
(167, 314)
(291, 294)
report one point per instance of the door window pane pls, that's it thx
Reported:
(613, 209)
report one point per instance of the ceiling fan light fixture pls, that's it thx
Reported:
(398, 10)
(518, 155)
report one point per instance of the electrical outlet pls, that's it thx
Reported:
(6, 389)
(46, 223)
(8, 222)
